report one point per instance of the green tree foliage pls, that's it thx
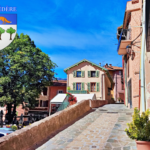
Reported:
(10, 31)
(1, 32)
(139, 128)
(24, 71)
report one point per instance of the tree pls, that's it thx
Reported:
(10, 31)
(24, 71)
(1, 32)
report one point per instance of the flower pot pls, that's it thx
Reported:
(143, 145)
(72, 102)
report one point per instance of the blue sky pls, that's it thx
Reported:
(69, 31)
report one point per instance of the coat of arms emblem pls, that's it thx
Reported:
(8, 28)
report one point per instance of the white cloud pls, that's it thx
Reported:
(58, 36)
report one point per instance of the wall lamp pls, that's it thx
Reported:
(130, 52)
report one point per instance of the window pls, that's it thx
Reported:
(78, 74)
(78, 86)
(120, 72)
(45, 104)
(45, 91)
(60, 91)
(93, 87)
(93, 73)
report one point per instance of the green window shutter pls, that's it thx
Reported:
(89, 73)
(74, 86)
(97, 86)
(74, 74)
(89, 87)
(82, 86)
(97, 73)
(82, 74)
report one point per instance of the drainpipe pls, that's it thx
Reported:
(102, 86)
(142, 63)
(116, 85)
(126, 94)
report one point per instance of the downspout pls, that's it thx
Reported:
(125, 73)
(116, 85)
(142, 63)
(102, 86)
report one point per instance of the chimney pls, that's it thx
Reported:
(99, 64)
(110, 65)
(106, 66)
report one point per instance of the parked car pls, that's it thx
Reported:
(5, 131)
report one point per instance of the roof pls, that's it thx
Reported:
(93, 64)
(59, 83)
(84, 60)
(59, 98)
(114, 68)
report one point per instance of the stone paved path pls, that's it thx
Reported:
(102, 129)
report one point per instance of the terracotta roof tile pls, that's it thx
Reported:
(114, 68)
(59, 83)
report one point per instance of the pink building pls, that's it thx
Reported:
(117, 75)
(129, 37)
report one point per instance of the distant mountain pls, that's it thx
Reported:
(61, 79)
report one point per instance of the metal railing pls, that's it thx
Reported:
(124, 33)
(78, 92)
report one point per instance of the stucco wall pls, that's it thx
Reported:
(85, 66)
(134, 65)
(44, 97)
(135, 6)
(54, 90)
(147, 69)
(118, 85)
(107, 85)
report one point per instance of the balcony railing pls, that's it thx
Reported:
(78, 92)
(124, 37)
(124, 33)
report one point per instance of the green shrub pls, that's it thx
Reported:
(139, 128)
(68, 88)
(14, 127)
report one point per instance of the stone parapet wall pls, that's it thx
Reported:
(33, 134)
(98, 103)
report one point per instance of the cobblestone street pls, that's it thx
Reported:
(103, 129)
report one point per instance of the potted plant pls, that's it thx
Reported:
(14, 127)
(139, 129)
(119, 99)
(71, 99)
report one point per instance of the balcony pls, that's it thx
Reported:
(124, 37)
(78, 92)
